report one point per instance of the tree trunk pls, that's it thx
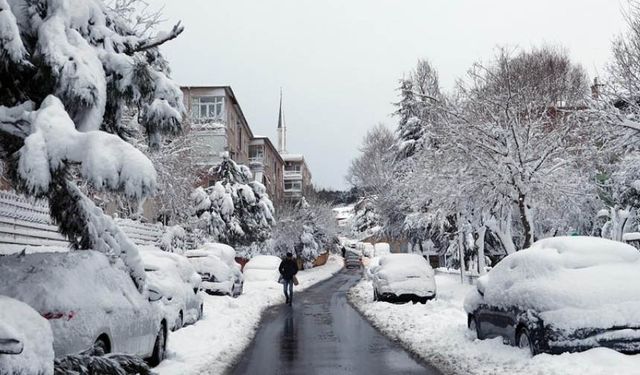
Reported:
(480, 244)
(526, 219)
(460, 246)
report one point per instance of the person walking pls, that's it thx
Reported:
(288, 269)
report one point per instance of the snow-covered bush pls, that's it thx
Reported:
(75, 66)
(173, 239)
(235, 210)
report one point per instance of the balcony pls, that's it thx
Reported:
(293, 175)
(256, 160)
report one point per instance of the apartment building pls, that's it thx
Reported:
(217, 125)
(267, 167)
(297, 177)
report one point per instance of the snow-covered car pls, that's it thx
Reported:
(262, 268)
(88, 302)
(403, 278)
(26, 341)
(218, 277)
(562, 294)
(174, 277)
(381, 249)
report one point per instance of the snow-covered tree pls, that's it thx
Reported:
(236, 210)
(68, 71)
(306, 228)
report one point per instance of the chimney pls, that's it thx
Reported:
(282, 130)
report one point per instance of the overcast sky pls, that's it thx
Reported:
(338, 61)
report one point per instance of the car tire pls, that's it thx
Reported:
(524, 341)
(473, 326)
(102, 345)
(159, 347)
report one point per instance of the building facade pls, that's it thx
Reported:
(217, 125)
(297, 177)
(267, 167)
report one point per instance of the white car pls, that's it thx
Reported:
(563, 294)
(174, 277)
(262, 268)
(88, 301)
(218, 277)
(403, 278)
(26, 341)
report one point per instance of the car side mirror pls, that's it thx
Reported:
(154, 295)
(11, 346)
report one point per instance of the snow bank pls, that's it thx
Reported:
(212, 345)
(574, 282)
(438, 333)
(21, 322)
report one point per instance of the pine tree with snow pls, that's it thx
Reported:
(68, 71)
(236, 210)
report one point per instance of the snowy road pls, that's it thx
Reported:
(323, 334)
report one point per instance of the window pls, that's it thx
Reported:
(292, 167)
(207, 107)
(292, 185)
(256, 152)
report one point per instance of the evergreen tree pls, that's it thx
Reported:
(68, 71)
(236, 210)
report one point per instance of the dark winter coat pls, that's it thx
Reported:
(288, 268)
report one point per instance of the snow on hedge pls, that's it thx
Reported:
(572, 282)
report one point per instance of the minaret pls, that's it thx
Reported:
(282, 130)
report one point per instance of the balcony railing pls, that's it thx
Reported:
(292, 174)
(256, 160)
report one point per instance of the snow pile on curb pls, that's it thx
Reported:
(212, 345)
(437, 332)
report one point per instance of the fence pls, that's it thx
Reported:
(26, 222)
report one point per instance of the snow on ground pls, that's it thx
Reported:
(212, 345)
(438, 333)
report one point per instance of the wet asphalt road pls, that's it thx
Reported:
(322, 334)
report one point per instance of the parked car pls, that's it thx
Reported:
(262, 268)
(563, 294)
(218, 278)
(352, 259)
(174, 277)
(88, 301)
(26, 341)
(403, 278)
(381, 249)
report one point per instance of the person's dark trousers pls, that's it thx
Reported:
(288, 290)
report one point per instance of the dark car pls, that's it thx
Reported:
(352, 259)
(564, 294)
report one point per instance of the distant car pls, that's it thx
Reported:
(381, 249)
(564, 294)
(26, 341)
(88, 302)
(262, 268)
(403, 278)
(218, 278)
(174, 277)
(352, 259)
